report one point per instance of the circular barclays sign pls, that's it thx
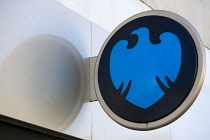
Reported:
(150, 70)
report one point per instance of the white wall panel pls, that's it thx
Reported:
(82, 126)
(104, 128)
(207, 77)
(21, 20)
(24, 19)
(99, 35)
(106, 13)
(195, 123)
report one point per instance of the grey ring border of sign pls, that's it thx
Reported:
(193, 93)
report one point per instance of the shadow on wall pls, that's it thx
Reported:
(40, 81)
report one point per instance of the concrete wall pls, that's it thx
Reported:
(195, 11)
(105, 13)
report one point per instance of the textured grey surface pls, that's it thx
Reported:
(195, 11)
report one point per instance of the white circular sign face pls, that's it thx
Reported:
(150, 70)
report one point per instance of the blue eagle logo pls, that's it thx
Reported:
(142, 69)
